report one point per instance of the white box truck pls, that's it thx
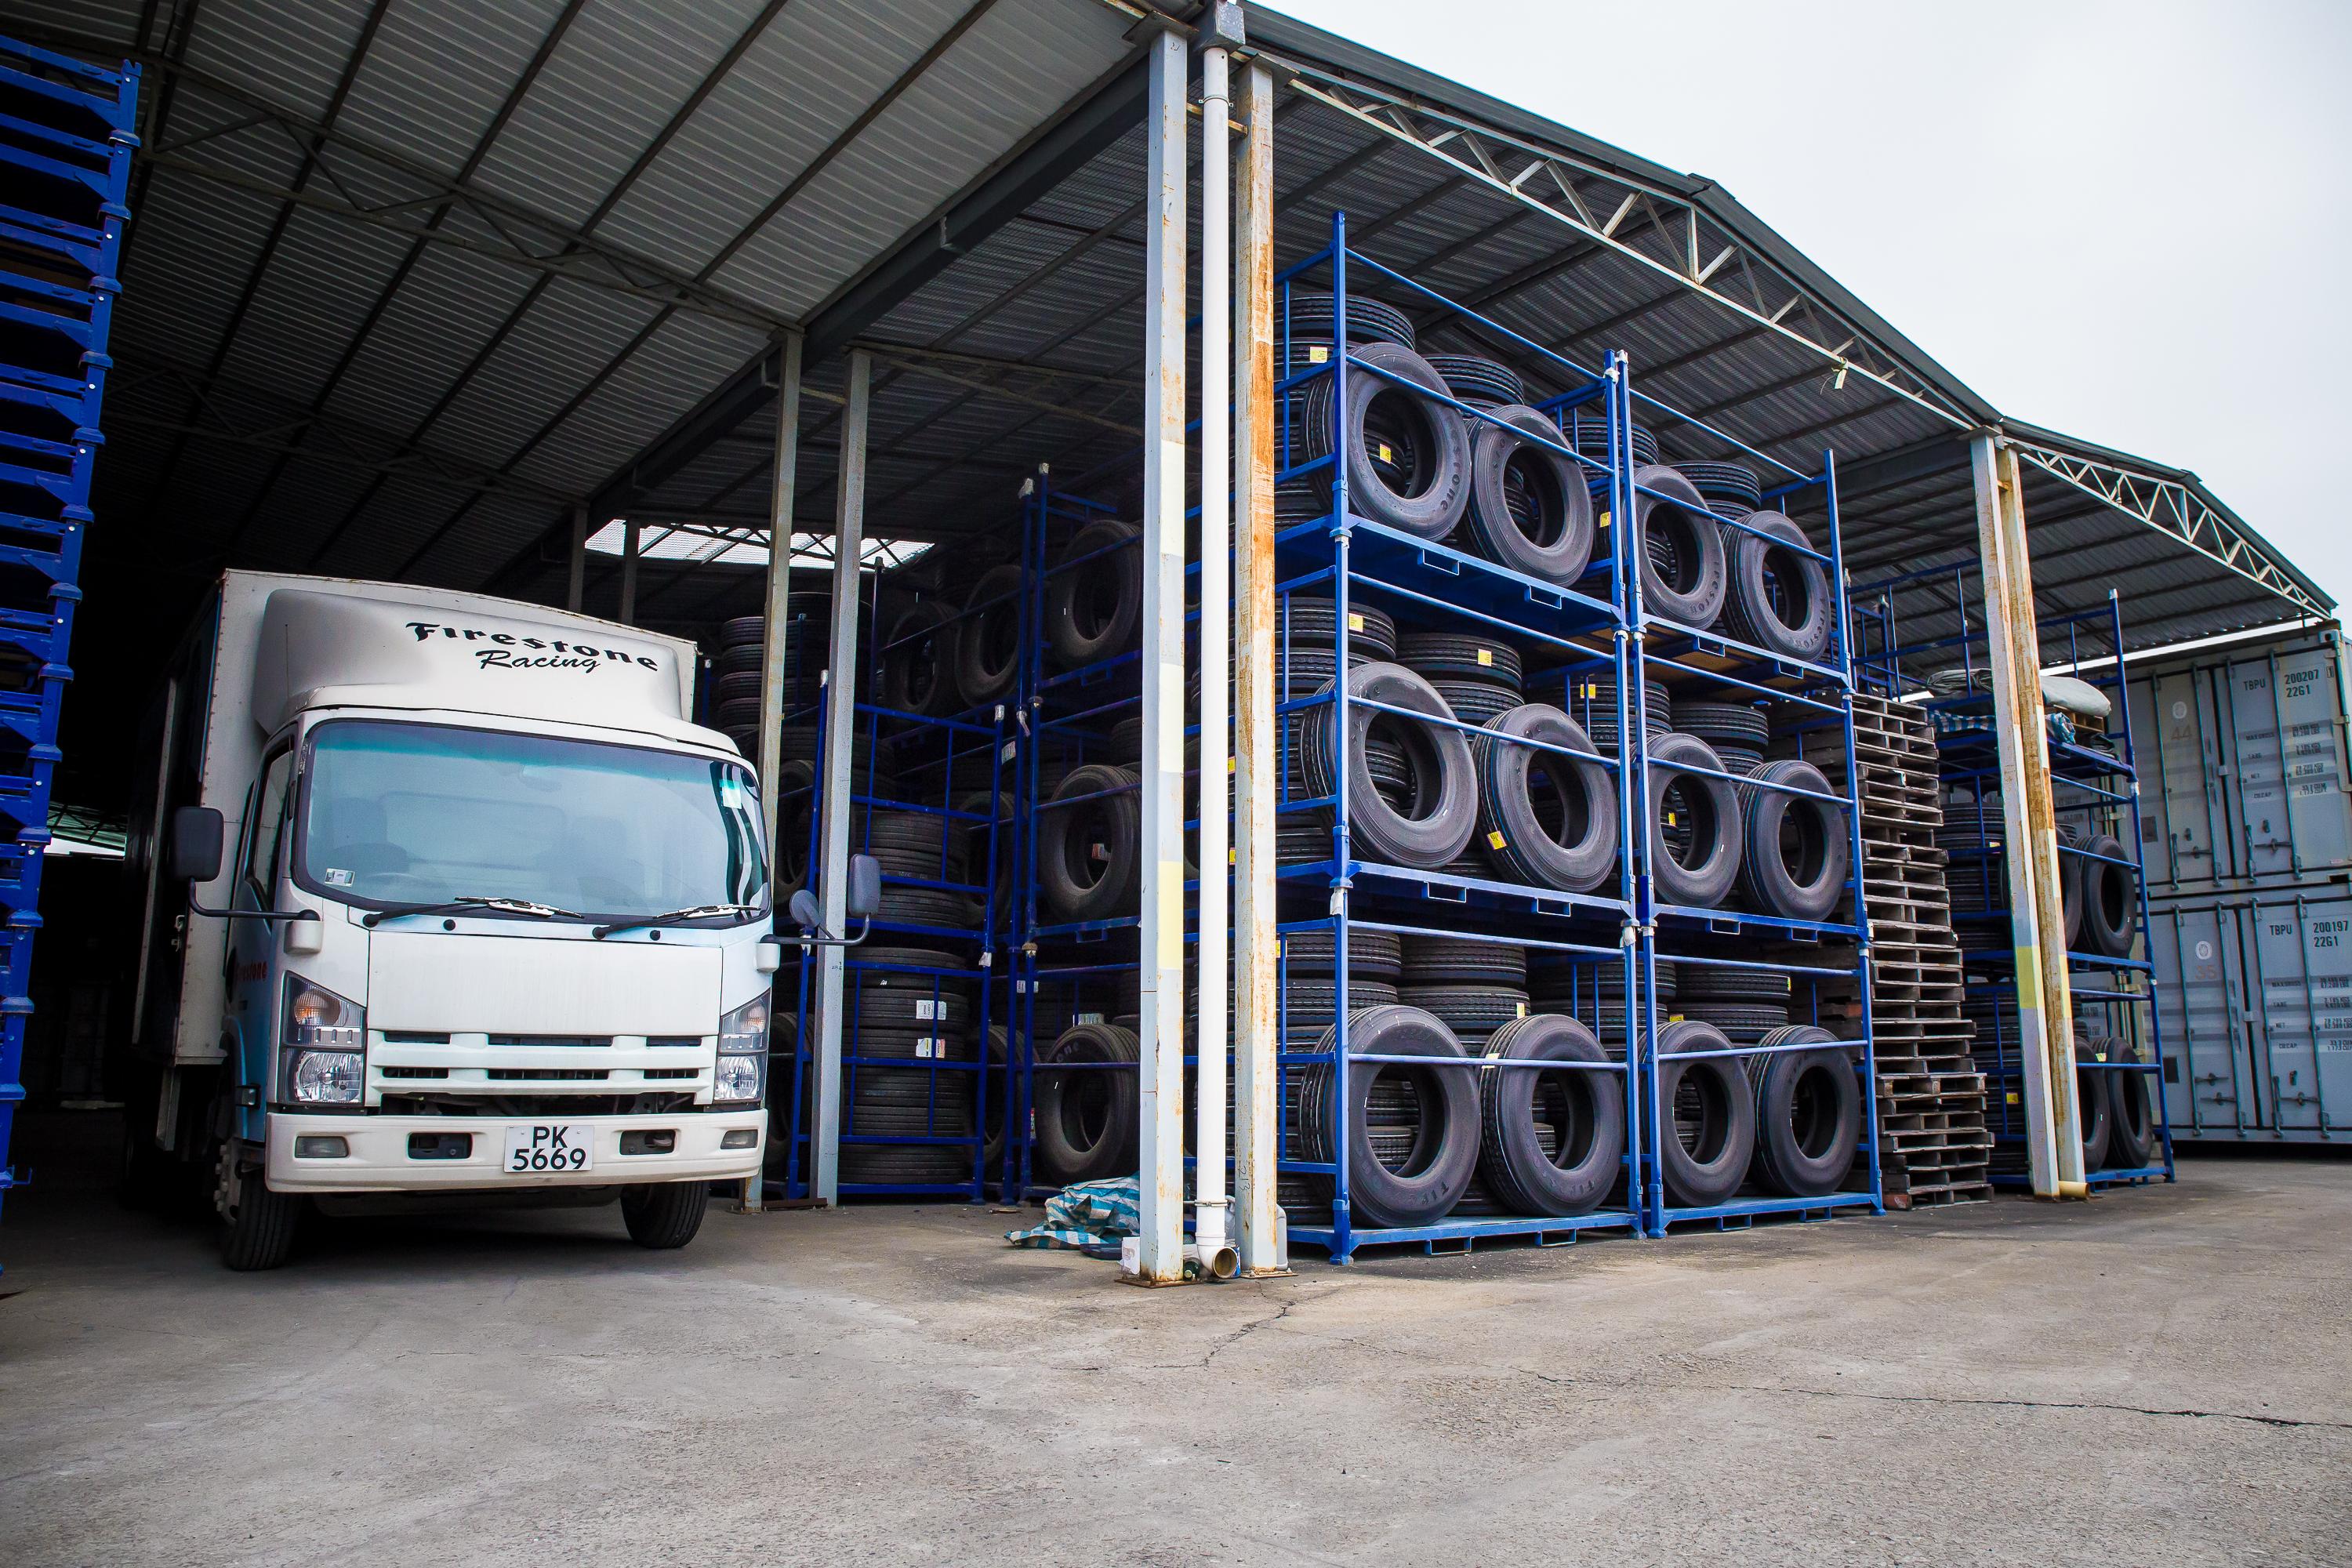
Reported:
(443, 897)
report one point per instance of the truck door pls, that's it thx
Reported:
(252, 1024)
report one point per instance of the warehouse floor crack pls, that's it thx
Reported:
(2282, 1421)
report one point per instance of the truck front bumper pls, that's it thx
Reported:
(379, 1157)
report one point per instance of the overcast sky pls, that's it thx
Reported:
(2126, 222)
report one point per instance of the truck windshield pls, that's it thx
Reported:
(396, 813)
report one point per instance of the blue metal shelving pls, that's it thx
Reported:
(2093, 783)
(65, 142)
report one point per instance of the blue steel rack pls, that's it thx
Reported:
(65, 141)
(2087, 782)
(1814, 695)
(954, 1083)
(1342, 555)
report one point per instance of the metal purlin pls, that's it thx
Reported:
(2097, 783)
(68, 143)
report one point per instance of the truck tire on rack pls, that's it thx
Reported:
(2108, 900)
(2131, 1113)
(1530, 509)
(1088, 1121)
(2094, 1105)
(1679, 545)
(1310, 620)
(1096, 610)
(1795, 851)
(664, 1215)
(258, 1227)
(1551, 1142)
(1372, 954)
(796, 816)
(1463, 961)
(1546, 818)
(1432, 1146)
(1089, 855)
(995, 1094)
(1695, 838)
(1807, 1112)
(1709, 1115)
(1473, 1012)
(917, 660)
(1451, 655)
(1408, 458)
(1486, 383)
(2070, 884)
(988, 638)
(1778, 600)
(1370, 321)
(1432, 824)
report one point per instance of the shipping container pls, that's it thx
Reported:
(2243, 780)
(2255, 1002)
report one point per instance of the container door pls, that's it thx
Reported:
(2311, 700)
(2265, 845)
(2188, 765)
(2201, 1007)
(2302, 958)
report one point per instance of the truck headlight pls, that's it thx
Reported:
(325, 1041)
(743, 1053)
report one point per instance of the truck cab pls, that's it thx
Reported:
(491, 919)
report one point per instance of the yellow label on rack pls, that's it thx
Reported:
(1317, 354)
(1522, 1009)
(1229, 857)
(1485, 656)
(1229, 764)
(1670, 819)
(1495, 840)
(1604, 520)
(1674, 1018)
(1354, 622)
(2012, 1097)
(1386, 456)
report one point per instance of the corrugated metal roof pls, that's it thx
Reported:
(407, 276)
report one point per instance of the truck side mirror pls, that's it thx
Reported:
(805, 911)
(193, 853)
(864, 887)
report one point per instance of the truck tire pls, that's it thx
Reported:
(1679, 545)
(2094, 1106)
(663, 1215)
(2109, 901)
(1530, 509)
(1434, 821)
(1552, 1142)
(1796, 852)
(988, 640)
(1807, 1112)
(1085, 1125)
(1089, 855)
(1095, 610)
(1779, 601)
(1550, 819)
(1709, 1113)
(1408, 458)
(1415, 1167)
(1705, 829)
(256, 1225)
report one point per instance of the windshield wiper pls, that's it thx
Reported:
(469, 903)
(698, 912)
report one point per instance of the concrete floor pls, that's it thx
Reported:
(2159, 1378)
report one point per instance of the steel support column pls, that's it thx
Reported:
(1159, 1247)
(1258, 1085)
(771, 658)
(576, 581)
(628, 616)
(783, 470)
(1211, 1226)
(2045, 1035)
(834, 810)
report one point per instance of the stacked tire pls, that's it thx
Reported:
(903, 1022)
(732, 701)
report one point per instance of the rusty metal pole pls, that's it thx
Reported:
(782, 476)
(1257, 1084)
(833, 797)
(1160, 1245)
(2054, 1131)
(1212, 1215)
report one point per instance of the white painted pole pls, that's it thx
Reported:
(833, 806)
(2045, 1039)
(1257, 1086)
(1211, 1226)
(1159, 1248)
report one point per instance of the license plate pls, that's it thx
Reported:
(550, 1148)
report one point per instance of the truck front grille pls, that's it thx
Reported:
(553, 1042)
(546, 1075)
(539, 1106)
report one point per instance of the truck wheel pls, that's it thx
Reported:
(664, 1214)
(256, 1228)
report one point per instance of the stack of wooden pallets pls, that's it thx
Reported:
(1933, 1145)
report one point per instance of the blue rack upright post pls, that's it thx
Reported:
(65, 141)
